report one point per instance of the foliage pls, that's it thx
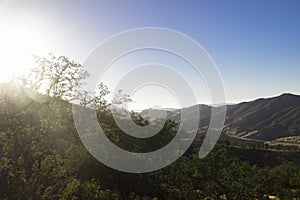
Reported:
(57, 76)
(42, 157)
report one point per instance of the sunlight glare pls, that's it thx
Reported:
(17, 47)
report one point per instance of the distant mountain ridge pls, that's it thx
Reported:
(264, 119)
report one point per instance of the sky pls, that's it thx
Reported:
(254, 44)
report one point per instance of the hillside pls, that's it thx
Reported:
(270, 119)
(265, 119)
(42, 157)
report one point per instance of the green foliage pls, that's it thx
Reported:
(42, 157)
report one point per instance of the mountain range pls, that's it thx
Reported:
(275, 119)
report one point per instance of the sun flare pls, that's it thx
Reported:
(17, 46)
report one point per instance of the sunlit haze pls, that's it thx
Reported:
(18, 45)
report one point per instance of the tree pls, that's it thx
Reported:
(57, 76)
(94, 99)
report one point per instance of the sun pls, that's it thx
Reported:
(17, 47)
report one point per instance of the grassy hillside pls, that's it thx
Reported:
(260, 120)
(265, 119)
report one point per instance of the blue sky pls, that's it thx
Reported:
(255, 44)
